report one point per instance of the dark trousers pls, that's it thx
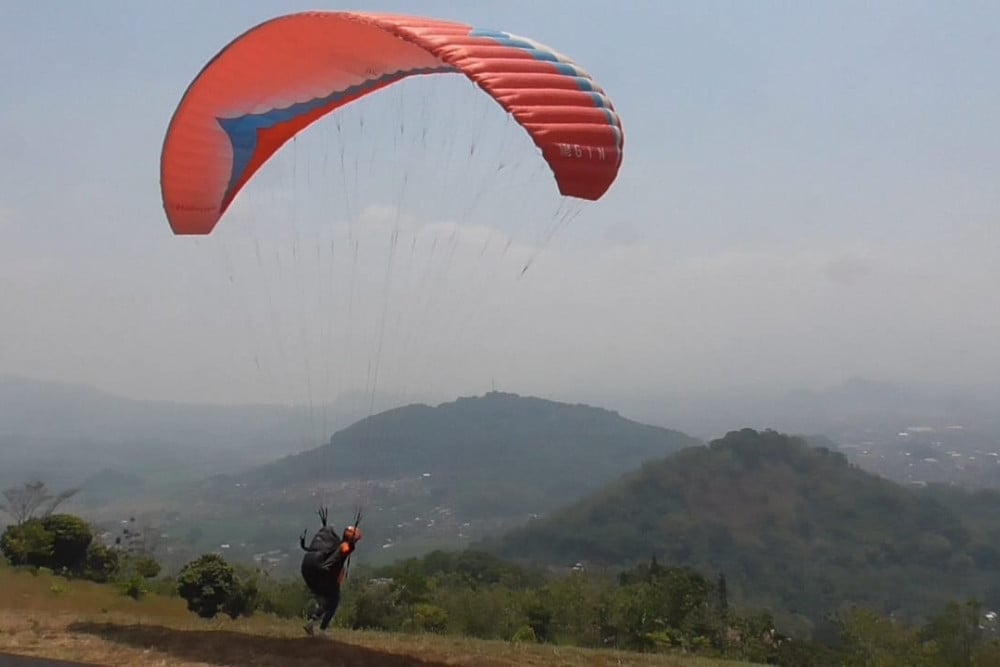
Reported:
(327, 607)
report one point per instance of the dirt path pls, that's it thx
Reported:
(127, 641)
(11, 660)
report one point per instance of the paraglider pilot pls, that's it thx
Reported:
(323, 567)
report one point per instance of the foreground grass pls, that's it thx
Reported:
(46, 616)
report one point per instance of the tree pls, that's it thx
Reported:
(540, 620)
(723, 595)
(284, 598)
(102, 563)
(871, 639)
(986, 654)
(138, 540)
(410, 585)
(135, 546)
(244, 599)
(22, 503)
(576, 602)
(429, 618)
(70, 538)
(144, 566)
(209, 585)
(27, 544)
(377, 608)
(58, 541)
(955, 632)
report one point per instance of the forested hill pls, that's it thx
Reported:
(791, 526)
(511, 452)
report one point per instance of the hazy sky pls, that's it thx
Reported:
(810, 192)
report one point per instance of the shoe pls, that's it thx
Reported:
(308, 627)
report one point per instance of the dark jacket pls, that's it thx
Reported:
(323, 563)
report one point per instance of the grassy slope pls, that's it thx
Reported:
(46, 616)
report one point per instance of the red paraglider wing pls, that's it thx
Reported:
(279, 77)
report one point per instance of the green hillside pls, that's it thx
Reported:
(793, 527)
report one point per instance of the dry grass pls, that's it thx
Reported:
(45, 616)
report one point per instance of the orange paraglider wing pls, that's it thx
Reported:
(282, 75)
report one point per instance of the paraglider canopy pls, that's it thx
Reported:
(282, 75)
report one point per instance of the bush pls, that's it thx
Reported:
(539, 621)
(71, 536)
(144, 566)
(244, 599)
(59, 542)
(524, 635)
(429, 618)
(102, 564)
(27, 544)
(209, 585)
(285, 599)
(376, 608)
(133, 587)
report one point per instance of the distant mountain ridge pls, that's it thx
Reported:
(63, 433)
(850, 406)
(525, 454)
(37, 408)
